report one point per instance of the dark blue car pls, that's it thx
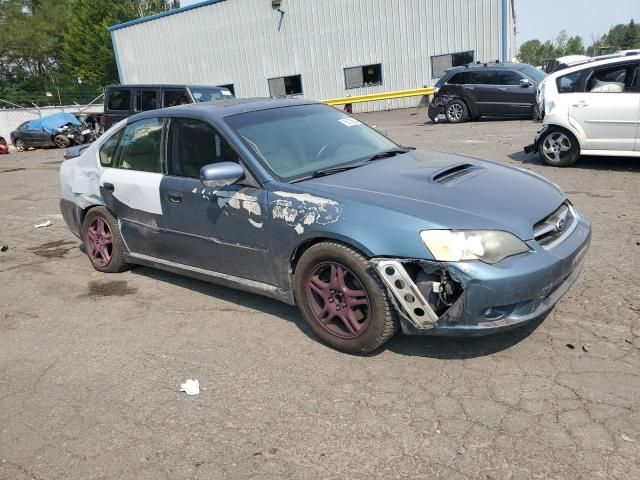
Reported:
(300, 202)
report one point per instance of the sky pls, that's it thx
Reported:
(543, 19)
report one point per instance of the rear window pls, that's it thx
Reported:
(119, 99)
(533, 73)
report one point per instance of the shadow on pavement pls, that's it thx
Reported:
(420, 346)
(616, 164)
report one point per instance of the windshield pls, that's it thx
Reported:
(201, 94)
(535, 74)
(296, 141)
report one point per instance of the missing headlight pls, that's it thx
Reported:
(440, 290)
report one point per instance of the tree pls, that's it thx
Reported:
(530, 52)
(87, 49)
(574, 46)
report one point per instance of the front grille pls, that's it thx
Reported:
(556, 227)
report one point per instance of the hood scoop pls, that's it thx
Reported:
(456, 173)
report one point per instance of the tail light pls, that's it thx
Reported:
(103, 121)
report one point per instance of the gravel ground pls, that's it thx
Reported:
(91, 363)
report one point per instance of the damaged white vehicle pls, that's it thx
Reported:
(298, 201)
(590, 109)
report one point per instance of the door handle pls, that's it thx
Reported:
(580, 105)
(502, 89)
(109, 186)
(174, 197)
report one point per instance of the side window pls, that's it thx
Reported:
(570, 82)
(171, 98)
(509, 77)
(108, 149)
(23, 126)
(194, 144)
(616, 79)
(635, 83)
(482, 77)
(459, 78)
(119, 99)
(141, 146)
(146, 100)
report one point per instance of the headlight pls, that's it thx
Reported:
(489, 246)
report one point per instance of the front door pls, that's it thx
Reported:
(224, 230)
(515, 99)
(130, 184)
(607, 111)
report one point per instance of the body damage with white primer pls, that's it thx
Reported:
(237, 201)
(299, 210)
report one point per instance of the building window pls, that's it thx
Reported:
(440, 63)
(229, 86)
(368, 75)
(285, 86)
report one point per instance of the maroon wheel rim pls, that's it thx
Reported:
(99, 242)
(339, 302)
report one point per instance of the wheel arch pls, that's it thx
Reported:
(563, 128)
(473, 113)
(307, 243)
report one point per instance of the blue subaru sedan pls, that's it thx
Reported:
(303, 203)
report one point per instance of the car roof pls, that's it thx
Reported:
(595, 63)
(217, 109)
(163, 85)
(481, 66)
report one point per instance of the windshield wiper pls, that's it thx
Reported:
(390, 153)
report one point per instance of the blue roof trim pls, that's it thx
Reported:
(204, 3)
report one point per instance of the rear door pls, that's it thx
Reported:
(606, 112)
(480, 87)
(516, 99)
(218, 229)
(130, 184)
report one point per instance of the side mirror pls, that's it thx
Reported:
(524, 82)
(221, 174)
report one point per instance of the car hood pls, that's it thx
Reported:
(448, 191)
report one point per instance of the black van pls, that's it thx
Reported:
(122, 101)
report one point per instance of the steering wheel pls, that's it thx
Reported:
(327, 149)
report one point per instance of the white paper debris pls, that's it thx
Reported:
(190, 387)
(48, 223)
(627, 439)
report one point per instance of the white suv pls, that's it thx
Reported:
(590, 109)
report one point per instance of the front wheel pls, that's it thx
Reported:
(559, 148)
(343, 300)
(102, 241)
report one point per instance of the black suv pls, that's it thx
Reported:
(486, 89)
(122, 101)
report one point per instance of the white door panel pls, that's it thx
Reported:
(608, 121)
(137, 190)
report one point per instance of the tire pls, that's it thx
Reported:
(19, 144)
(103, 245)
(328, 278)
(61, 141)
(456, 111)
(559, 148)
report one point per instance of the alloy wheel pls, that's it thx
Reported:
(555, 146)
(455, 111)
(99, 242)
(338, 300)
(19, 144)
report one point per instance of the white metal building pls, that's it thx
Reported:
(314, 48)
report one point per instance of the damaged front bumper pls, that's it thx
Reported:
(533, 148)
(475, 298)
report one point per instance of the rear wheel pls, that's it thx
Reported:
(456, 111)
(102, 240)
(61, 141)
(343, 300)
(19, 144)
(559, 148)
